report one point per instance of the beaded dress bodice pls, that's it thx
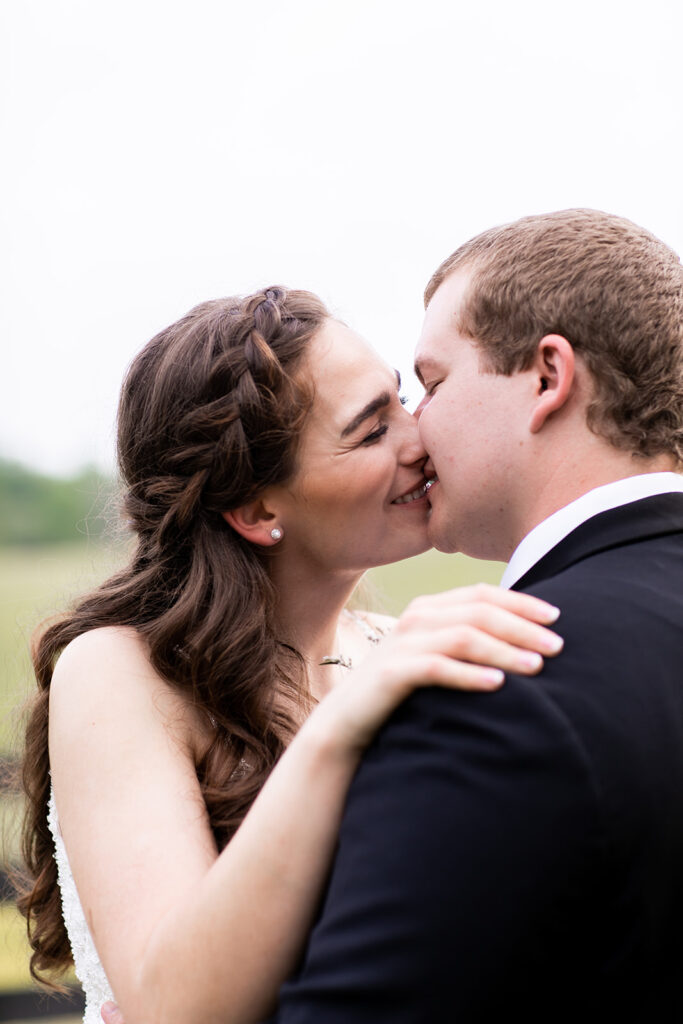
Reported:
(88, 968)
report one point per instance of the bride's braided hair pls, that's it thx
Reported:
(210, 415)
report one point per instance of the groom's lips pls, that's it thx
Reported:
(430, 486)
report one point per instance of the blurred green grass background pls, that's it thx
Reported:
(39, 581)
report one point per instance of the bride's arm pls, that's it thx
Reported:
(183, 933)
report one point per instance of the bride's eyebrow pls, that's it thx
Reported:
(366, 412)
(370, 409)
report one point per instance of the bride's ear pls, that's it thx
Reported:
(255, 523)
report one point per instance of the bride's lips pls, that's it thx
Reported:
(416, 493)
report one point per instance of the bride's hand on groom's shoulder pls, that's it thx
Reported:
(111, 1014)
(465, 639)
(473, 635)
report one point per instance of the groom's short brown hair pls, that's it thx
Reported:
(611, 288)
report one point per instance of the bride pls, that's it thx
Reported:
(209, 704)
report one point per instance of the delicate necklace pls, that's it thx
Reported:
(371, 634)
(330, 659)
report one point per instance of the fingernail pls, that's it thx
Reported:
(530, 660)
(552, 644)
(494, 676)
(553, 612)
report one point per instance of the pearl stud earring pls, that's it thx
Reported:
(276, 534)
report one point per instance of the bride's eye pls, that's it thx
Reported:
(375, 435)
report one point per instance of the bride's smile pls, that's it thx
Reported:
(358, 495)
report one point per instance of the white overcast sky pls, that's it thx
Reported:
(157, 153)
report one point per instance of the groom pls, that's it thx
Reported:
(520, 854)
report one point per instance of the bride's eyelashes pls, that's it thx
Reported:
(376, 434)
(381, 430)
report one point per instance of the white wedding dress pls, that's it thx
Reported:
(89, 970)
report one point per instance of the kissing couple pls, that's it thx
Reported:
(246, 801)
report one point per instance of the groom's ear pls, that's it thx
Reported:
(554, 368)
(253, 521)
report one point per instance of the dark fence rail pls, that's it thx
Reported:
(32, 1004)
(7, 890)
(9, 786)
(9, 774)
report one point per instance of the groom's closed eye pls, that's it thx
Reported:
(429, 374)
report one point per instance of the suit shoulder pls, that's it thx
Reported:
(627, 573)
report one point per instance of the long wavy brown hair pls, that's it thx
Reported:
(209, 416)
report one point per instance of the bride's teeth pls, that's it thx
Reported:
(414, 495)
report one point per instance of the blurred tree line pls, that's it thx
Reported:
(38, 509)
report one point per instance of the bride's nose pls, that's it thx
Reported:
(412, 449)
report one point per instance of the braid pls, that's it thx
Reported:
(259, 350)
(210, 415)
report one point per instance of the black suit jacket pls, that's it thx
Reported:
(522, 852)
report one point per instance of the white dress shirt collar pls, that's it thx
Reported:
(556, 527)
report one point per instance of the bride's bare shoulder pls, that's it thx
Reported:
(107, 648)
(110, 667)
(105, 684)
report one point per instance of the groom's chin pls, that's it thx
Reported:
(437, 535)
(446, 548)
